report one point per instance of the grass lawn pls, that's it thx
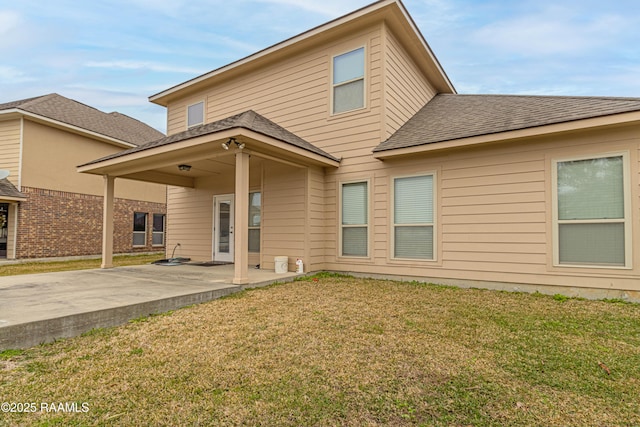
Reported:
(81, 264)
(338, 351)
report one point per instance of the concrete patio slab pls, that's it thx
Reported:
(39, 308)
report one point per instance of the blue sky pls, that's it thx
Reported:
(114, 54)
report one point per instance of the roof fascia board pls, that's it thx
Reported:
(120, 165)
(446, 85)
(556, 128)
(314, 157)
(73, 128)
(12, 199)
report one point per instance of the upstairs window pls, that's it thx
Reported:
(195, 114)
(348, 81)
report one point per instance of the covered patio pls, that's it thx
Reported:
(208, 154)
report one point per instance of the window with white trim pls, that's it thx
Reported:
(254, 221)
(157, 233)
(591, 218)
(195, 114)
(413, 217)
(348, 81)
(139, 229)
(355, 219)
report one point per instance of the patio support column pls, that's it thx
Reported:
(107, 222)
(241, 243)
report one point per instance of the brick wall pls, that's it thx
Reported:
(58, 223)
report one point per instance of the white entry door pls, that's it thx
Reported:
(223, 237)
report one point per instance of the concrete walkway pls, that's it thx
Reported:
(38, 308)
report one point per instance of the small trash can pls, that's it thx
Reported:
(282, 264)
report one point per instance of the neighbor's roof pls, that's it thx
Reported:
(249, 120)
(449, 117)
(8, 190)
(67, 111)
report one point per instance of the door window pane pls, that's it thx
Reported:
(224, 232)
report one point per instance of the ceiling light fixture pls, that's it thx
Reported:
(185, 168)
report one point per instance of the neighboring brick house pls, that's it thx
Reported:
(47, 209)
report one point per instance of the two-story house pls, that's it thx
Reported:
(47, 209)
(347, 146)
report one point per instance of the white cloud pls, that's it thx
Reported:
(554, 30)
(9, 20)
(10, 23)
(143, 65)
(13, 75)
(328, 8)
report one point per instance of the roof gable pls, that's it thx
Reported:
(67, 111)
(449, 117)
(391, 12)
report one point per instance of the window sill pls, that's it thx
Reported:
(593, 267)
(348, 114)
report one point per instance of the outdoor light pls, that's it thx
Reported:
(227, 144)
(185, 168)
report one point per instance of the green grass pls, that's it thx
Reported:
(341, 351)
(81, 264)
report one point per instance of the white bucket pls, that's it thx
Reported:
(282, 264)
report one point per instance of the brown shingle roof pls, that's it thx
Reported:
(68, 111)
(447, 116)
(7, 189)
(249, 120)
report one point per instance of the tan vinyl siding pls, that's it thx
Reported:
(190, 223)
(10, 148)
(494, 216)
(295, 93)
(45, 144)
(407, 89)
(284, 216)
(315, 253)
